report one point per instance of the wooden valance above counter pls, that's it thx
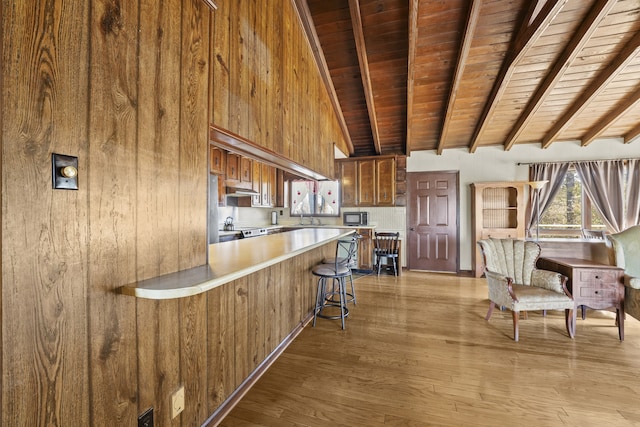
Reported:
(232, 260)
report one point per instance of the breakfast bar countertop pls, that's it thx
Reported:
(232, 260)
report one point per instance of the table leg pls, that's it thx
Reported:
(620, 319)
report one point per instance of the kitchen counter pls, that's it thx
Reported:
(232, 260)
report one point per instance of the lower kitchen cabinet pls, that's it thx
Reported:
(365, 249)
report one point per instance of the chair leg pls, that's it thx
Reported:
(516, 316)
(490, 312)
(395, 267)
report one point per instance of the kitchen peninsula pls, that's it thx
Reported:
(257, 294)
(235, 259)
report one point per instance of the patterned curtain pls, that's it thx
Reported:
(552, 172)
(603, 181)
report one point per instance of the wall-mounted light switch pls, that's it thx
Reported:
(64, 172)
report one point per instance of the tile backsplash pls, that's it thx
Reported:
(385, 219)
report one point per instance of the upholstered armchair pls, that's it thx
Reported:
(515, 283)
(626, 251)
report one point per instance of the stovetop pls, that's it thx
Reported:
(253, 232)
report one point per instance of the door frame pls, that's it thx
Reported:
(408, 231)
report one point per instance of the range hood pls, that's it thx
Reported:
(240, 192)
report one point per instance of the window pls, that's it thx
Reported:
(570, 211)
(315, 198)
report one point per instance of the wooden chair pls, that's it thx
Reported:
(386, 247)
(515, 283)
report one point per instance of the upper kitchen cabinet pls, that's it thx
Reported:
(366, 188)
(246, 165)
(370, 181)
(266, 185)
(233, 167)
(385, 188)
(256, 175)
(217, 158)
(348, 172)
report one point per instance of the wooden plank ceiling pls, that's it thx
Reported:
(434, 75)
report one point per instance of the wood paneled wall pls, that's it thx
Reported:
(130, 88)
(266, 86)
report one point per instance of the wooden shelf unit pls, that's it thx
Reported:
(498, 211)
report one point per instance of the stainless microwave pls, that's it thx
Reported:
(355, 218)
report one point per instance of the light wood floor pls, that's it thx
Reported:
(418, 352)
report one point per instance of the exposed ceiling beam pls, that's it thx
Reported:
(569, 54)
(632, 134)
(607, 120)
(463, 54)
(304, 15)
(626, 55)
(538, 18)
(358, 35)
(413, 37)
(533, 11)
(520, 45)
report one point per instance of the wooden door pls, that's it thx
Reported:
(432, 221)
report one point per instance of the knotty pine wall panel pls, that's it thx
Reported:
(157, 328)
(45, 273)
(275, 92)
(193, 160)
(112, 181)
(220, 71)
(130, 90)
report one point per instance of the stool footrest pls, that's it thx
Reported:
(344, 311)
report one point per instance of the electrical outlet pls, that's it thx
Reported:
(177, 402)
(146, 418)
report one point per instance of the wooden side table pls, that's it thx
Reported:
(592, 284)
